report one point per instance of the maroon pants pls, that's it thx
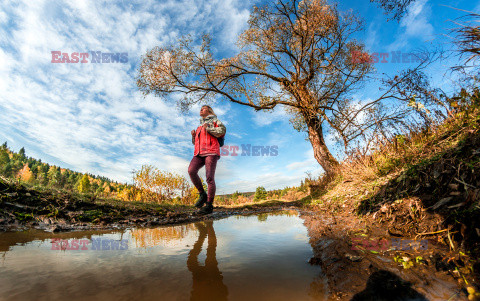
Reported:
(210, 163)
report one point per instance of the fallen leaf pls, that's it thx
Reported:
(442, 202)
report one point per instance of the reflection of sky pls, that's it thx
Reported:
(249, 253)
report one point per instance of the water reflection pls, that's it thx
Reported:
(207, 279)
(236, 258)
(161, 236)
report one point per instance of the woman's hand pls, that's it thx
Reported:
(193, 132)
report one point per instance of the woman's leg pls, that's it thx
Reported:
(196, 163)
(210, 166)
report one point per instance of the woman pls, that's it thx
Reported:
(207, 152)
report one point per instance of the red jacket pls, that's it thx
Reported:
(206, 143)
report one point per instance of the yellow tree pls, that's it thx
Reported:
(297, 54)
(25, 174)
(144, 180)
(83, 184)
(157, 185)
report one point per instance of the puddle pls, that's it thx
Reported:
(257, 257)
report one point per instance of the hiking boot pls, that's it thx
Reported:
(201, 200)
(207, 209)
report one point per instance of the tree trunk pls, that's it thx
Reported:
(320, 150)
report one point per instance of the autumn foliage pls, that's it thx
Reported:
(154, 185)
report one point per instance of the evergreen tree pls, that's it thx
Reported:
(260, 194)
(17, 164)
(8, 170)
(4, 161)
(58, 178)
(34, 169)
(21, 153)
(71, 180)
(42, 175)
(30, 162)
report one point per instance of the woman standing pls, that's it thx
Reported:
(207, 152)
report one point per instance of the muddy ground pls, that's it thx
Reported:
(358, 259)
(53, 211)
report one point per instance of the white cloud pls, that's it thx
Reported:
(264, 118)
(371, 41)
(234, 20)
(416, 22)
(302, 164)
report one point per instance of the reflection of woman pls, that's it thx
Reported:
(207, 152)
(207, 280)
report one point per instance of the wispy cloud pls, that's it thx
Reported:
(90, 117)
(416, 24)
(265, 118)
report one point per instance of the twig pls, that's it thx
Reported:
(428, 233)
(466, 184)
(450, 240)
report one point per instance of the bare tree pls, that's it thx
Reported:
(297, 54)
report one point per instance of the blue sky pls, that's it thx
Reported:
(91, 117)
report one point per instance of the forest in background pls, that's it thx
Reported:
(151, 185)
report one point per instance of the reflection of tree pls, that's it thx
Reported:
(207, 279)
(262, 217)
(160, 236)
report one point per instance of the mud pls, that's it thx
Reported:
(358, 259)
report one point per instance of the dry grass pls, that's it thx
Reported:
(362, 175)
